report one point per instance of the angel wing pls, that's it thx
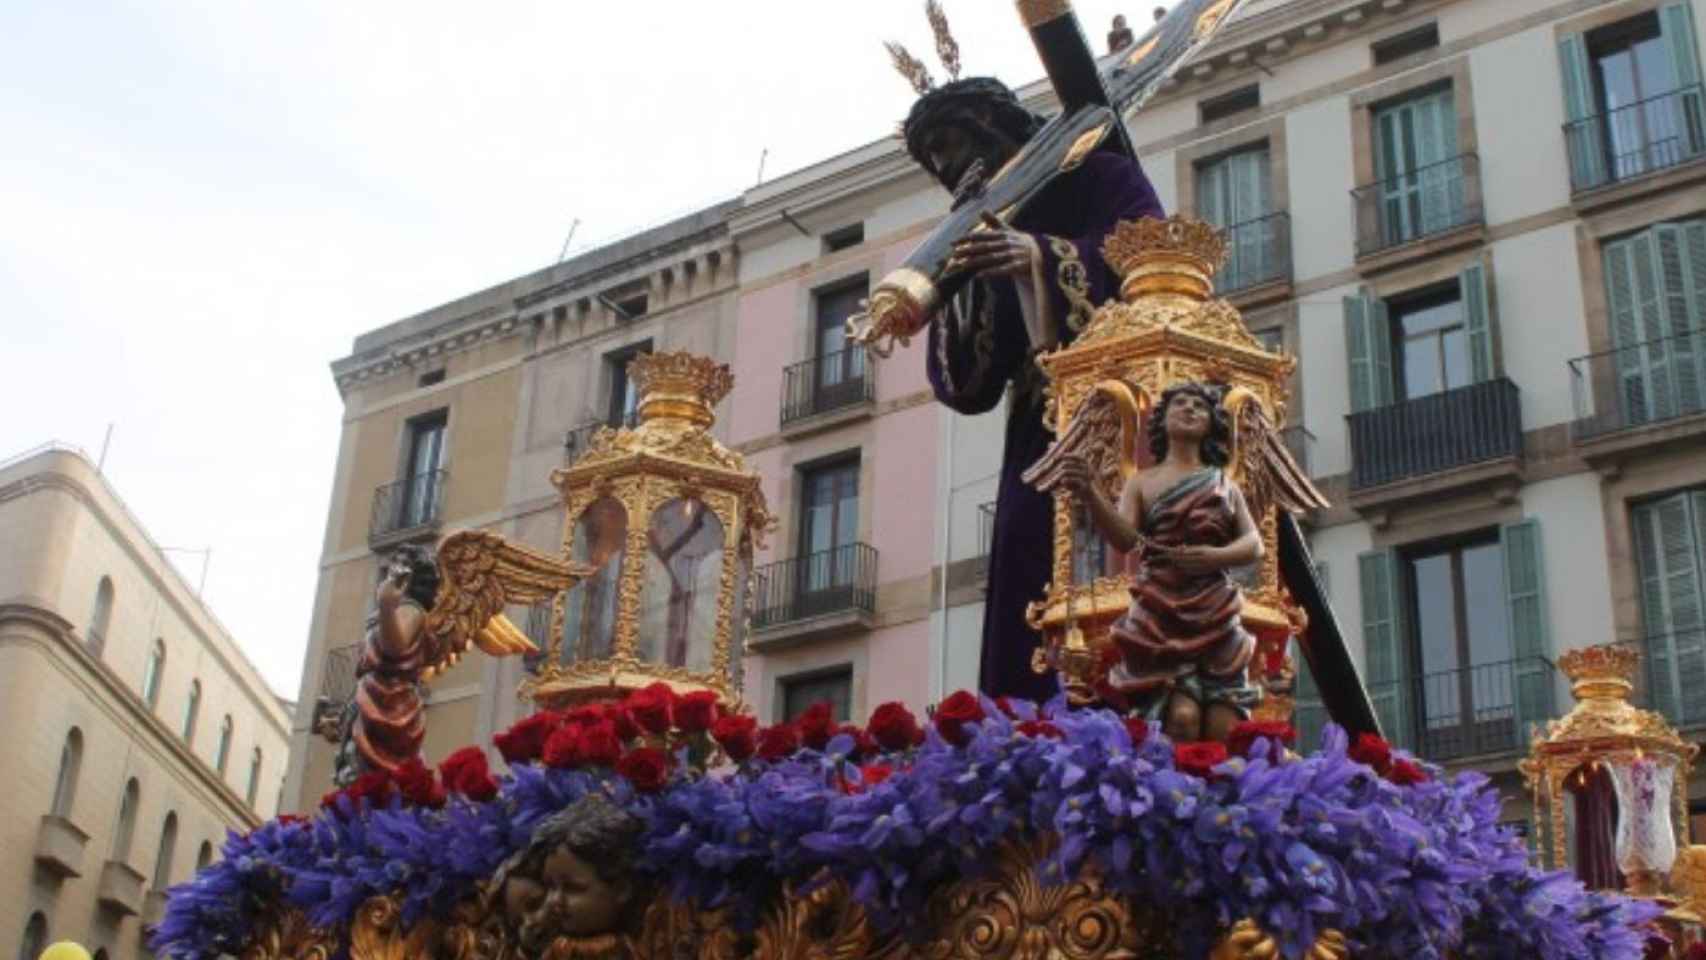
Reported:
(1103, 433)
(479, 574)
(1261, 465)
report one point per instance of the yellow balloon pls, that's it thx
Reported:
(64, 950)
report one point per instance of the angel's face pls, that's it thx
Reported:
(1188, 416)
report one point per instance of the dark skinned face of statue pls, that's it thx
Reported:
(1188, 421)
(961, 140)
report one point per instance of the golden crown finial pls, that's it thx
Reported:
(680, 385)
(1602, 672)
(1171, 256)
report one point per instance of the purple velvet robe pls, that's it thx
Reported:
(979, 347)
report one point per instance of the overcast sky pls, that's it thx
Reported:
(202, 203)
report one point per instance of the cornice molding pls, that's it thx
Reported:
(121, 704)
(454, 337)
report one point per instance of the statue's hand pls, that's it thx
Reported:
(970, 185)
(1076, 476)
(996, 252)
(391, 589)
(1196, 559)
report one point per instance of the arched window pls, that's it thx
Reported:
(204, 856)
(126, 820)
(151, 675)
(191, 708)
(100, 954)
(35, 937)
(70, 763)
(254, 778)
(100, 618)
(223, 752)
(163, 857)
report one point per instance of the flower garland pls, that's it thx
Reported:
(1356, 838)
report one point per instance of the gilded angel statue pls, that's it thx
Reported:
(427, 614)
(1188, 519)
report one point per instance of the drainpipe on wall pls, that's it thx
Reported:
(945, 497)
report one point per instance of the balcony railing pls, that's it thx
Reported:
(1257, 252)
(411, 504)
(1412, 206)
(834, 381)
(578, 439)
(337, 681)
(1474, 711)
(985, 536)
(841, 580)
(1646, 383)
(1636, 140)
(1435, 433)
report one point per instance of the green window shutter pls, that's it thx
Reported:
(1679, 304)
(1585, 145)
(1368, 350)
(1676, 23)
(1632, 391)
(1309, 714)
(1525, 604)
(1383, 643)
(1479, 323)
(1211, 194)
(1247, 174)
(1668, 558)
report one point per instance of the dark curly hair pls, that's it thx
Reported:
(1216, 444)
(950, 103)
(423, 572)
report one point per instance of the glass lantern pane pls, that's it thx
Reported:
(684, 569)
(589, 616)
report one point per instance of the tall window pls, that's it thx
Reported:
(254, 778)
(1421, 182)
(35, 937)
(70, 765)
(1432, 343)
(222, 752)
(163, 856)
(424, 486)
(1234, 194)
(100, 619)
(1633, 97)
(151, 673)
(834, 687)
(126, 820)
(1462, 647)
(192, 706)
(1670, 557)
(840, 369)
(622, 407)
(203, 856)
(1655, 284)
(829, 528)
(1421, 343)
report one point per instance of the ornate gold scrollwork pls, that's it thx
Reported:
(289, 936)
(378, 933)
(1248, 941)
(826, 924)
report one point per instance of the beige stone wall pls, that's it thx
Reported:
(65, 530)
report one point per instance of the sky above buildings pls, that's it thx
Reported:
(203, 202)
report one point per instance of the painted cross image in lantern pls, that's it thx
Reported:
(667, 518)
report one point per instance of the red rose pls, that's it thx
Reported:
(374, 786)
(875, 773)
(817, 725)
(1245, 734)
(1006, 705)
(696, 711)
(417, 784)
(1199, 759)
(586, 715)
(621, 719)
(1407, 773)
(737, 734)
(286, 819)
(777, 742)
(954, 713)
(651, 707)
(562, 748)
(1373, 750)
(865, 745)
(466, 772)
(525, 742)
(599, 745)
(893, 726)
(1138, 729)
(1039, 729)
(647, 768)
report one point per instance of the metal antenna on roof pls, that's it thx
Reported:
(568, 240)
(761, 158)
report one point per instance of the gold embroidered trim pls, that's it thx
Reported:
(1074, 284)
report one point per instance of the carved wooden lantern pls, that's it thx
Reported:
(1165, 328)
(668, 519)
(1645, 758)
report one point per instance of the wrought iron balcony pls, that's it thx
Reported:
(413, 505)
(838, 581)
(1484, 710)
(985, 537)
(1422, 203)
(1647, 383)
(577, 440)
(1435, 433)
(337, 689)
(1634, 141)
(835, 381)
(1257, 252)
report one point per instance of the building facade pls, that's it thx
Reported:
(138, 732)
(1481, 227)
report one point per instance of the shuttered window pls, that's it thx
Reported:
(1443, 339)
(1234, 192)
(1655, 287)
(1421, 188)
(1670, 554)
